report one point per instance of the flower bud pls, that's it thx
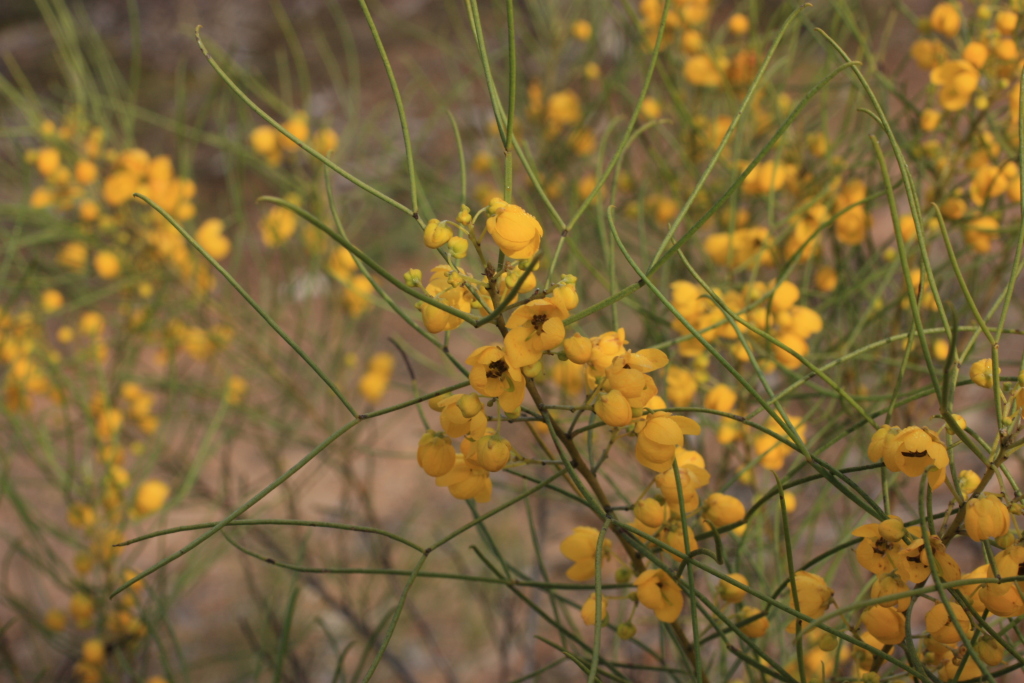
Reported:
(969, 481)
(625, 630)
(756, 628)
(981, 373)
(578, 348)
(722, 510)
(623, 575)
(435, 454)
(436, 234)
(614, 409)
(413, 277)
(828, 642)
(891, 529)
(459, 247)
(650, 512)
(533, 370)
(730, 592)
(493, 453)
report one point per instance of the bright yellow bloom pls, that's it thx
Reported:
(493, 452)
(263, 140)
(939, 623)
(1005, 599)
(581, 547)
(692, 475)
(721, 509)
(466, 479)
(876, 553)
(885, 623)
(94, 651)
(582, 31)
(210, 235)
(325, 141)
(516, 232)
(235, 390)
(987, 517)
(564, 108)
(533, 328)
(945, 19)
(891, 584)
(151, 496)
(578, 348)
(911, 451)
(492, 375)
(813, 594)
(435, 454)
(656, 590)
(614, 409)
(912, 562)
(73, 256)
(981, 373)
(730, 592)
(589, 610)
(957, 80)
(51, 300)
(278, 225)
(756, 628)
(658, 436)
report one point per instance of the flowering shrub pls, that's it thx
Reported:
(718, 330)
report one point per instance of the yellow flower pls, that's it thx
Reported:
(278, 225)
(813, 594)
(614, 409)
(851, 226)
(738, 24)
(235, 390)
(876, 553)
(51, 300)
(298, 125)
(466, 479)
(94, 651)
(325, 140)
(658, 436)
(210, 235)
(721, 509)
(581, 547)
(957, 80)
(436, 234)
(581, 30)
(759, 624)
(650, 513)
(435, 454)
(885, 623)
(516, 232)
(533, 328)
(151, 496)
(578, 348)
(589, 610)
(118, 187)
(702, 71)
(692, 475)
(987, 517)
(912, 562)
(263, 140)
(826, 279)
(73, 256)
(656, 590)
(945, 19)
(106, 264)
(1004, 599)
(730, 592)
(563, 109)
(493, 452)
(939, 623)
(722, 398)
(891, 584)
(492, 375)
(981, 373)
(969, 481)
(607, 347)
